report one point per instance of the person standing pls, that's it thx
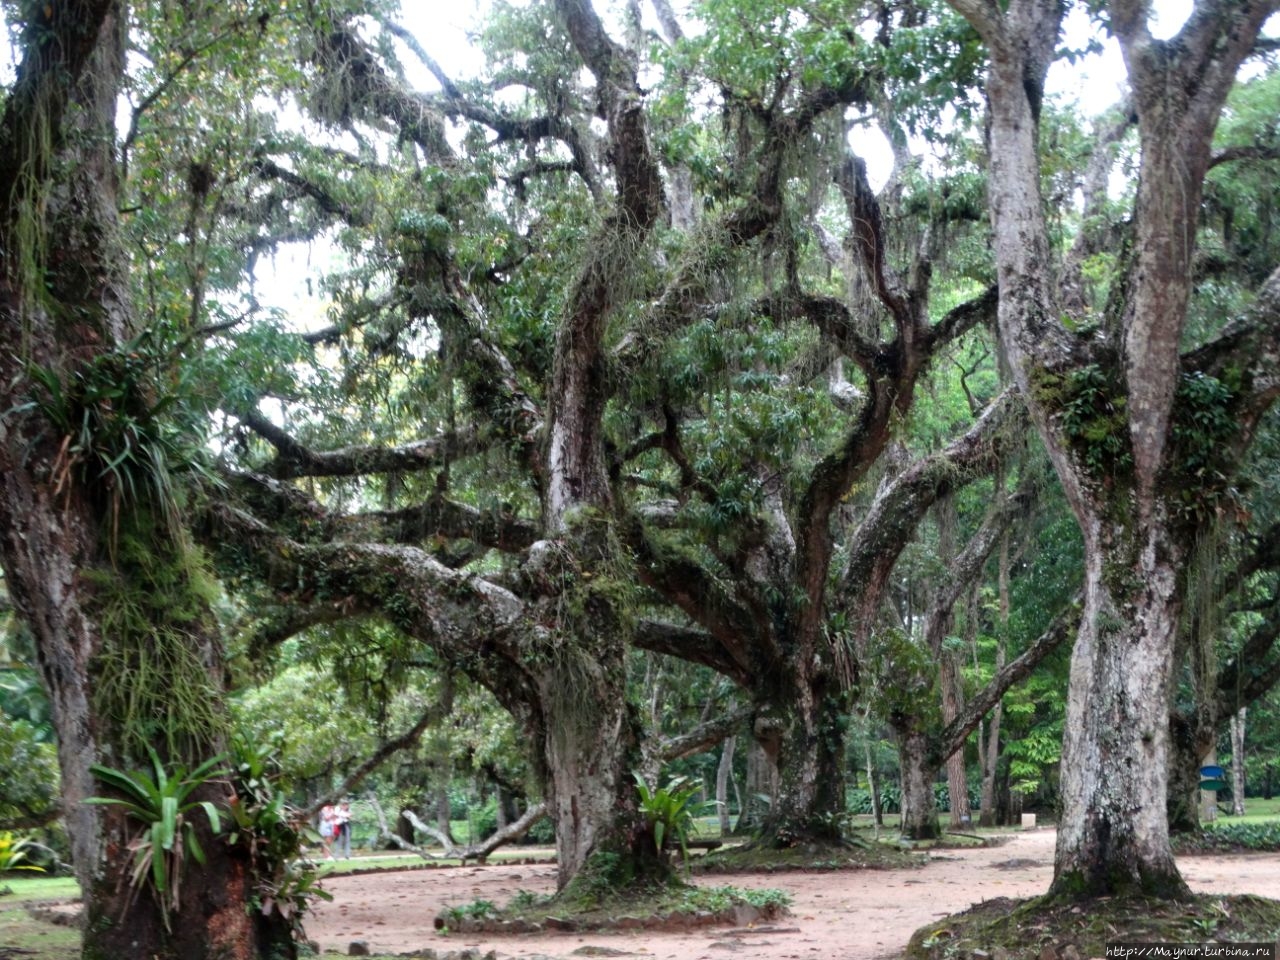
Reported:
(342, 829)
(328, 826)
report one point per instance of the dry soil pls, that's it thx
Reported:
(856, 915)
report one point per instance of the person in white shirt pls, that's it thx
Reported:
(328, 826)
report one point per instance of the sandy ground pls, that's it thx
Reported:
(835, 916)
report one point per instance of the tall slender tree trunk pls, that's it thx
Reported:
(991, 751)
(873, 787)
(761, 787)
(957, 778)
(1237, 762)
(444, 815)
(724, 774)
(948, 670)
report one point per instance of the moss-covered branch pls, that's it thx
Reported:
(682, 580)
(692, 645)
(296, 459)
(705, 735)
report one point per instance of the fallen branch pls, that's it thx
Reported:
(451, 851)
(479, 851)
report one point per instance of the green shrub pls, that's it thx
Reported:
(670, 811)
(1237, 836)
(542, 832)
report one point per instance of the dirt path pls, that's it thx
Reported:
(836, 916)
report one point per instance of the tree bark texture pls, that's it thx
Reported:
(1187, 744)
(65, 312)
(592, 746)
(1237, 761)
(805, 738)
(957, 778)
(919, 806)
(1113, 836)
(761, 788)
(724, 774)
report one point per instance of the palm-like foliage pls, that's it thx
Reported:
(160, 800)
(13, 853)
(669, 810)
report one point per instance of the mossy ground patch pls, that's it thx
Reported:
(1045, 929)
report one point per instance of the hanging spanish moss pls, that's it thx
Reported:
(1203, 616)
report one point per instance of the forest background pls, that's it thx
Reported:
(642, 435)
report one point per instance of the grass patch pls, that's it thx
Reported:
(1257, 809)
(671, 906)
(375, 863)
(958, 841)
(25, 887)
(23, 936)
(1042, 929)
(762, 859)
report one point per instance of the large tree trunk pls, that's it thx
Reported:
(806, 740)
(592, 730)
(919, 807)
(592, 745)
(1113, 837)
(103, 612)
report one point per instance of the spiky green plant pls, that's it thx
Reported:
(670, 811)
(159, 799)
(273, 832)
(13, 853)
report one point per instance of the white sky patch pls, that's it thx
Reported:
(1168, 17)
(1096, 80)
(870, 143)
(289, 281)
(445, 34)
